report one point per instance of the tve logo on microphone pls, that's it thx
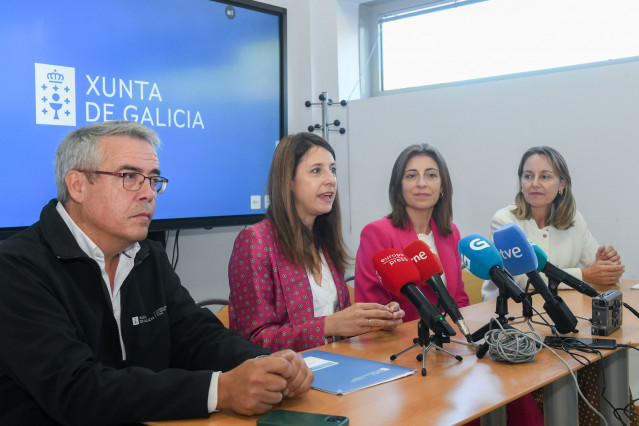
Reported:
(511, 253)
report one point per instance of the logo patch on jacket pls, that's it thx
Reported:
(143, 319)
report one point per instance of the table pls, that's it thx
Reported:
(560, 401)
(453, 392)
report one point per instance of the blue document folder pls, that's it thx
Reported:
(342, 374)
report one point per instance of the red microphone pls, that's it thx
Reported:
(430, 270)
(427, 262)
(394, 270)
(398, 275)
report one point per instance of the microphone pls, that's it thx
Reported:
(556, 275)
(430, 270)
(482, 259)
(519, 258)
(398, 275)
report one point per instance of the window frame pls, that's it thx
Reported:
(371, 13)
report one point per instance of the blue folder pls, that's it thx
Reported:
(341, 374)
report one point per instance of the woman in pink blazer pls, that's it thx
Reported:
(420, 194)
(286, 273)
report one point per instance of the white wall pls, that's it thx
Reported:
(590, 115)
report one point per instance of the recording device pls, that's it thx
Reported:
(398, 274)
(606, 312)
(482, 259)
(430, 270)
(556, 275)
(519, 258)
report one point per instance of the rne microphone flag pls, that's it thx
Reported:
(430, 270)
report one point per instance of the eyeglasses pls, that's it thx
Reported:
(132, 181)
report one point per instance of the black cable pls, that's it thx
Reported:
(629, 412)
(570, 346)
(551, 326)
(622, 345)
(631, 309)
(615, 410)
(574, 377)
(176, 250)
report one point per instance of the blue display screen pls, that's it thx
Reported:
(206, 76)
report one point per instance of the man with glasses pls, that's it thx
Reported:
(95, 327)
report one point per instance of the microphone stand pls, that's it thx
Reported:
(553, 284)
(501, 310)
(468, 342)
(527, 312)
(427, 342)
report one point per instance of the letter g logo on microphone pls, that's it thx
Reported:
(478, 244)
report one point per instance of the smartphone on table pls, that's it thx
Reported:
(592, 343)
(290, 418)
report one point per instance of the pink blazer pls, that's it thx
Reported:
(271, 303)
(380, 235)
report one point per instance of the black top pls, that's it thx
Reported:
(60, 354)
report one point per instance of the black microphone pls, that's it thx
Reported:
(398, 274)
(519, 258)
(558, 275)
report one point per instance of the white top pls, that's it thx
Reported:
(125, 265)
(325, 301)
(566, 249)
(430, 240)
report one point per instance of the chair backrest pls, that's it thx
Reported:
(472, 285)
(222, 314)
(351, 287)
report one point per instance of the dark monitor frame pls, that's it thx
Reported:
(209, 222)
(159, 226)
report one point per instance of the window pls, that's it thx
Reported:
(451, 41)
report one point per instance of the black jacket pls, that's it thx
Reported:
(60, 356)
